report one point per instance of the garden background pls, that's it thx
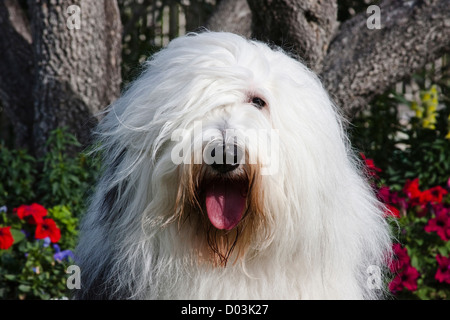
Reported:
(399, 116)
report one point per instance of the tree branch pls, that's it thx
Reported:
(362, 63)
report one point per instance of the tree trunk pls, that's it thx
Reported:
(305, 27)
(16, 70)
(55, 74)
(231, 16)
(77, 70)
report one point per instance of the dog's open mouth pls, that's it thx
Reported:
(225, 202)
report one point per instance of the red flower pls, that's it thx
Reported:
(443, 273)
(411, 189)
(440, 224)
(407, 278)
(6, 238)
(391, 211)
(370, 165)
(48, 228)
(33, 213)
(434, 194)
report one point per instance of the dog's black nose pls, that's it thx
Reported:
(230, 159)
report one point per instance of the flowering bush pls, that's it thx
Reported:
(409, 165)
(421, 265)
(32, 264)
(35, 243)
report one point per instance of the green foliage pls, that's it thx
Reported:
(68, 225)
(64, 179)
(56, 179)
(17, 176)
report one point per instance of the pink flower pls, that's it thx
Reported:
(407, 278)
(440, 224)
(443, 273)
(406, 274)
(387, 196)
(390, 199)
(401, 258)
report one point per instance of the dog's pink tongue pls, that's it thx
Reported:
(225, 204)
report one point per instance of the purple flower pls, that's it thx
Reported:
(64, 255)
(5, 209)
(46, 242)
(57, 248)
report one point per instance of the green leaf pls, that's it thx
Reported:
(443, 251)
(24, 288)
(414, 261)
(17, 235)
(11, 277)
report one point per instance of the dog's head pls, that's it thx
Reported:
(220, 136)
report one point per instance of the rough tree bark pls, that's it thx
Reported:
(306, 27)
(356, 63)
(362, 63)
(16, 69)
(232, 16)
(76, 72)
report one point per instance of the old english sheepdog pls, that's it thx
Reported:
(228, 175)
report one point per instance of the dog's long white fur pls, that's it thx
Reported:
(326, 226)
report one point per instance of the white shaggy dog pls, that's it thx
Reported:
(286, 214)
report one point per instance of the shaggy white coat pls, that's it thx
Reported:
(324, 227)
